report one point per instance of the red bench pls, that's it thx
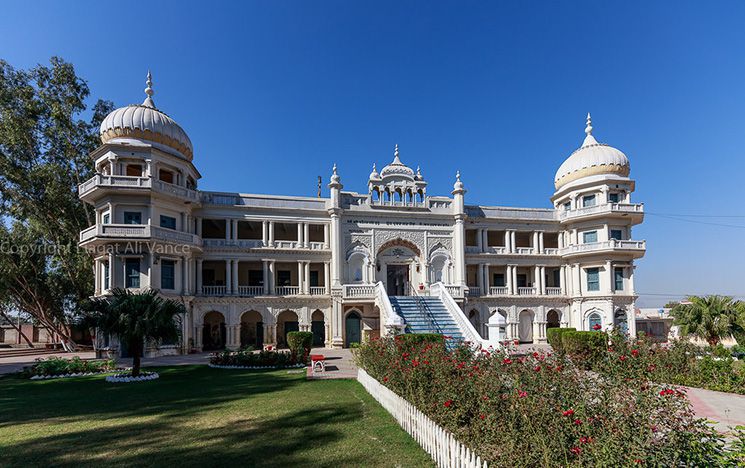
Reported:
(319, 361)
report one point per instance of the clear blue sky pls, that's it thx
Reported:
(272, 93)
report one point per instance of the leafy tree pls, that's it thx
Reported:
(136, 318)
(710, 318)
(671, 304)
(44, 155)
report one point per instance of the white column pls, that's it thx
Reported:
(459, 247)
(98, 279)
(535, 241)
(336, 265)
(306, 235)
(199, 276)
(540, 242)
(480, 279)
(265, 233)
(508, 280)
(507, 241)
(227, 229)
(486, 279)
(479, 240)
(234, 229)
(271, 277)
(577, 280)
(271, 233)
(300, 241)
(514, 278)
(327, 277)
(266, 277)
(228, 278)
(609, 275)
(235, 276)
(300, 280)
(513, 249)
(631, 281)
(336, 324)
(325, 236)
(485, 239)
(306, 276)
(543, 280)
(562, 280)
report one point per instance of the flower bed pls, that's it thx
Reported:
(248, 359)
(126, 377)
(678, 363)
(541, 410)
(57, 367)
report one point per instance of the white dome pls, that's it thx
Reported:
(397, 168)
(592, 158)
(145, 122)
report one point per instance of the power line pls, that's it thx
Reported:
(709, 223)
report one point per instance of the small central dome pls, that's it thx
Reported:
(397, 168)
(592, 158)
(145, 122)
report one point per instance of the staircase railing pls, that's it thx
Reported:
(465, 325)
(425, 312)
(393, 322)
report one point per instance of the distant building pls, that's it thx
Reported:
(250, 268)
(656, 323)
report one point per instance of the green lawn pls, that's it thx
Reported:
(197, 416)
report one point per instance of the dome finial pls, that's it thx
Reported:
(149, 91)
(588, 128)
(395, 156)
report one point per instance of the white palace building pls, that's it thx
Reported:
(357, 265)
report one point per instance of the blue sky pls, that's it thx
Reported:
(272, 93)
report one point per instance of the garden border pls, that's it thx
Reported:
(294, 366)
(442, 446)
(67, 376)
(123, 377)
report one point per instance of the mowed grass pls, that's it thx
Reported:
(197, 416)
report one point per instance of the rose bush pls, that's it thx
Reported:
(62, 366)
(677, 362)
(541, 409)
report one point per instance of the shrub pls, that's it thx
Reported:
(553, 335)
(62, 366)
(299, 343)
(417, 339)
(541, 409)
(254, 359)
(584, 347)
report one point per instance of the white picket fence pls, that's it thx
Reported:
(445, 450)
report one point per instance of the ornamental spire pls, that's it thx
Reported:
(395, 156)
(589, 139)
(149, 91)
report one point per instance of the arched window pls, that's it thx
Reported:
(356, 268)
(397, 195)
(620, 321)
(594, 322)
(375, 194)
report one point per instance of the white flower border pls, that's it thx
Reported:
(67, 376)
(217, 366)
(127, 377)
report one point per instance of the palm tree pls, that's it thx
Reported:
(710, 318)
(135, 318)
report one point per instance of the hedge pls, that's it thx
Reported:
(414, 340)
(300, 343)
(584, 347)
(553, 335)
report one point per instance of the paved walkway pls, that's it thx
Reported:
(725, 410)
(339, 364)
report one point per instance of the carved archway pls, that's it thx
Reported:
(398, 242)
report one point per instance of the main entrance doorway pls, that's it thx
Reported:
(397, 280)
(353, 328)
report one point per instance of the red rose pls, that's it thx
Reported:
(537, 368)
(385, 379)
(635, 352)
(522, 394)
(577, 422)
(482, 416)
(507, 361)
(575, 450)
(622, 358)
(596, 327)
(583, 440)
(569, 412)
(515, 342)
(448, 403)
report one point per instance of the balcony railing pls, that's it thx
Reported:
(287, 290)
(553, 291)
(250, 291)
(241, 243)
(605, 208)
(524, 250)
(526, 291)
(101, 180)
(455, 290)
(318, 290)
(214, 290)
(550, 251)
(498, 291)
(359, 290)
(613, 244)
(138, 231)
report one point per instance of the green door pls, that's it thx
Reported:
(353, 326)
